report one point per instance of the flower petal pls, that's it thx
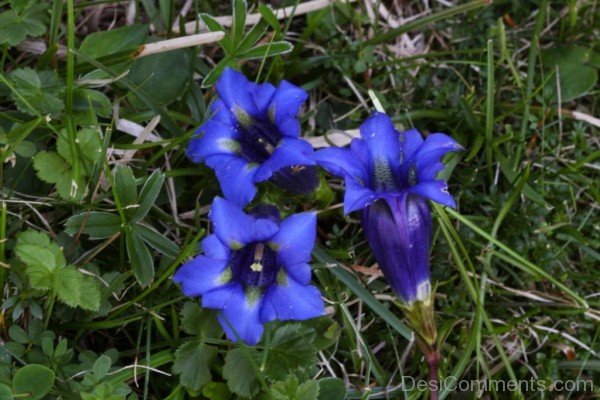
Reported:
(263, 95)
(201, 275)
(240, 317)
(213, 137)
(232, 226)
(342, 162)
(398, 230)
(300, 272)
(286, 103)
(214, 248)
(236, 177)
(383, 142)
(289, 152)
(237, 92)
(412, 142)
(436, 191)
(357, 196)
(296, 238)
(220, 112)
(435, 147)
(217, 298)
(293, 301)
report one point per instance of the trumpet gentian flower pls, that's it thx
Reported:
(254, 269)
(389, 176)
(253, 136)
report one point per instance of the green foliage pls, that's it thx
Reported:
(291, 389)
(22, 21)
(34, 381)
(577, 69)
(58, 167)
(240, 372)
(47, 270)
(36, 92)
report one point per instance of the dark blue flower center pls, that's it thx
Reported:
(258, 139)
(254, 265)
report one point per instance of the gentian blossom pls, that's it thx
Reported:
(389, 176)
(254, 269)
(253, 136)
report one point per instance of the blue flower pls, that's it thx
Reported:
(254, 269)
(253, 136)
(389, 176)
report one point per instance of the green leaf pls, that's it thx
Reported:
(332, 389)
(101, 367)
(68, 286)
(577, 76)
(16, 27)
(164, 76)
(213, 25)
(50, 167)
(90, 294)
(239, 21)
(192, 363)
(253, 36)
(215, 73)
(291, 390)
(239, 373)
(19, 134)
(104, 43)
(5, 392)
(96, 224)
(140, 258)
(156, 240)
(199, 321)
(125, 188)
(34, 380)
(267, 50)
(148, 195)
(91, 101)
(38, 90)
(18, 334)
(88, 143)
(35, 249)
(291, 347)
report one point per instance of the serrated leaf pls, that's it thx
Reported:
(50, 167)
(88, 144)
(33, 380)
(199, 321)
(291, 347)
(15, 26)
(68, 286)
(90, 294)
(192, 363)
(148, 194)
(239, 373)
(96, 224)
(291, 390)
(156, 240)
(35, 249)
(332, 389)
(38, 90)
(140, 258)
(267, 50)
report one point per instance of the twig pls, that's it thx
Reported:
(179, 43)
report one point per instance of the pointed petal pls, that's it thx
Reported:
(232, 226)
(289, 127)
(220, 112)
(237, 92)
(214, 248)
(342, 162)
(201, 275)
(296, 238)
(292, 301)
(300, 272)
(435, 147)
(436, 191)
(398, 230)
(412, 142)
(263, 95)
(357, 196)
(286, 103)
(264, 229)
(212, 138)
(236, 177)
(240, 317)
(217, 298)
(289, 152)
